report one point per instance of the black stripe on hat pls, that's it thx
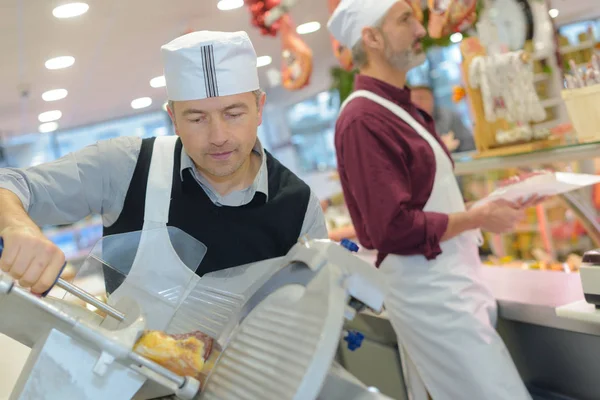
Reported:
(209, 70)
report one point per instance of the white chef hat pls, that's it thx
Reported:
(351, 16)
(206, 64)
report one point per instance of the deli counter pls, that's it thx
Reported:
(552, 333)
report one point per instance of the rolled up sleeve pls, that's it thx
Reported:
(14, 180)
(380, 183)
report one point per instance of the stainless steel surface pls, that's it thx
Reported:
(561, 154)
(157, 369)
(531, 297)
(562, 361)
(88, 298)
(36, 316)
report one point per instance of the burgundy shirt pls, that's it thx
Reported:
(387, 172)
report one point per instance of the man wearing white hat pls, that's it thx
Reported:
(213, 180)
(404, 201)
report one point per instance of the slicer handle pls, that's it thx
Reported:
(57, 277)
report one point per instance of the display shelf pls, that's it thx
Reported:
(569, 153)
(551, 102)
(547, 124)
(577, 47)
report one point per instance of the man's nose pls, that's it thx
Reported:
(218, 132)
(421, 31)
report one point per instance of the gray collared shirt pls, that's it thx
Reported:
(95, 180)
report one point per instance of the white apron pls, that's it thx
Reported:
(441, 310)
(158, 279)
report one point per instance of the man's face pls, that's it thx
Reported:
(402, 34)
(219, 133)
(422, 98)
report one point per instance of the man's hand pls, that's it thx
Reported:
(31, 258)
(450, 141)
(499, 216)
(531, 202)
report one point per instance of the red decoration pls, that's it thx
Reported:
(296, 66)
(446, 17)
(259, 10)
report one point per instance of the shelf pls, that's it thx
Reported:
(541, 77)
(551, 102)
(578, 47)
(546, 156)
(547, 124)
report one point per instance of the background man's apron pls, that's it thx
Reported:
(158, 278)
(441, 310)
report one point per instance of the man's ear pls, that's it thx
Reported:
(172, 116)
(372, 39)
(261, 107)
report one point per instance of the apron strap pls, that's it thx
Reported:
(400, 113)
(160, 180)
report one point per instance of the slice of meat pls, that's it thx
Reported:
(183, 354)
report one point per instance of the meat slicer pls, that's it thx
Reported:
(277, 324)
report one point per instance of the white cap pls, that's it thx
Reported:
(351, 16)
(206, 64)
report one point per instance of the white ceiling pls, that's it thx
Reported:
(574, 10)
(116, 48)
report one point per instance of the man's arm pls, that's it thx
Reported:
(382, 189)
(314, 221)
(66, 190)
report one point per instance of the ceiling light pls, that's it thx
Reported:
(456, 37)
(308, 27)
(48, 127)
(263, 60)
(55, 94)
(60, 62)
(157, 82)
(226, 5)
(49, 116)
(70, 10)
(142, 102)
(553, 13)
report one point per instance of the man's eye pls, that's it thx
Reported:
(197, 120)
(231, 115)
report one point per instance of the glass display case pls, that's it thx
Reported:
(555, 234)
(312, 125)
(143, 126)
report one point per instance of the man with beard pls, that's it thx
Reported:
(212, 180)
(398, 182)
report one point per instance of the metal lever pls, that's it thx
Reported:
(79, 293)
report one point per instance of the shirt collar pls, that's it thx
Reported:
(260, 183)
(400, 96)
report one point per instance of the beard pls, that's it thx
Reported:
(404, 60)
